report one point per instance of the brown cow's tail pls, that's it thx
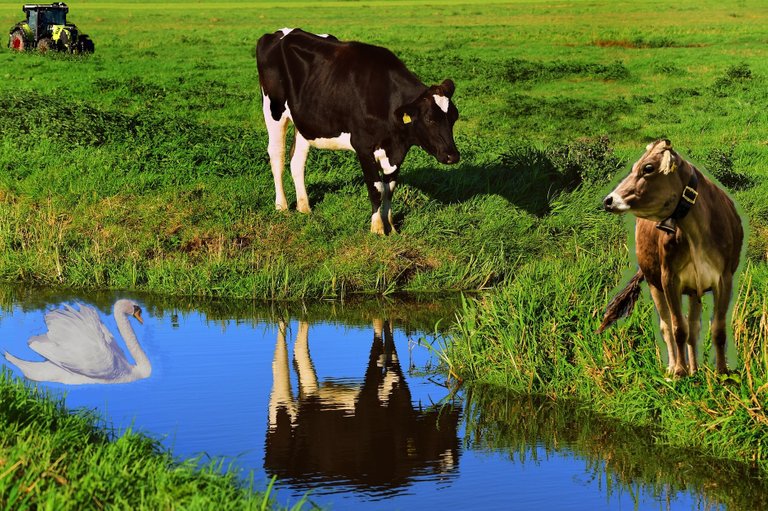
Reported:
(623, 303)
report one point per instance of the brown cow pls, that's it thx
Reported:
(688, 238)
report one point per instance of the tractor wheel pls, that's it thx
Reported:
(85, 45)
(17, 41)
(45, 44)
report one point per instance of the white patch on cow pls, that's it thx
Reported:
(618, 204)
(442, 102)
(379, 186)
(381, 156)
(287, 31)
(340, 142)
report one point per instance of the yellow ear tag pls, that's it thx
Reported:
(406, 119)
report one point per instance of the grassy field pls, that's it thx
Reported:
(144, 167)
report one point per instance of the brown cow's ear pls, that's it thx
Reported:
(668, 162)
(447, 88)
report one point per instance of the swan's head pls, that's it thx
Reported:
(129, 308)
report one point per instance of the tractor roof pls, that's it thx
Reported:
(45, 7)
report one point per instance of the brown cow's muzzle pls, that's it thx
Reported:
(613, 203)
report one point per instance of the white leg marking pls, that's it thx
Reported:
(298, 160)
(442, 102)
(387, 204)
(276, 149)
(381, 156)
(377, 226)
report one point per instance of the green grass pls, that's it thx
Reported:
(53, 459)
(144, 167)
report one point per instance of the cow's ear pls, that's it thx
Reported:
(447, 88)
(406, 114)
(669, 161)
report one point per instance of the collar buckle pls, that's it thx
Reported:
(690, 195)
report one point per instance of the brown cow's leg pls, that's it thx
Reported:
(694, 328)
(679, 324)
(665, 322)
(722, 298)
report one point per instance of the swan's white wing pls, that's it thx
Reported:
(47, 371)
(80, 343)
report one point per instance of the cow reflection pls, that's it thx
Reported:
(367, 435)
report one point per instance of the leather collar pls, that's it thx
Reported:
(684, 205)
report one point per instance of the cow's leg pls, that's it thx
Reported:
(722, 299)
(694, 328)
(679, 321)
(375, 190)
(308, 385)
(281, 395)
(298, 161)
(388, 189)
(276, 130)
(665, 322)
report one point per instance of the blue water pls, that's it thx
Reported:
(209, 394)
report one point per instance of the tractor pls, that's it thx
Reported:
(46, 28)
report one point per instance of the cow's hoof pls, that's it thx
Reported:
(377, 226)
(680, 371)
(281, 207)
(302, 206)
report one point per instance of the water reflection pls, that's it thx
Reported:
(368, 435)
(620, 459)
(78, 348)
(345, 419)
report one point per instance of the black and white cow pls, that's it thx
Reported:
(354, 96)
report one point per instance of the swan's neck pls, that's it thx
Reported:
(142, 366)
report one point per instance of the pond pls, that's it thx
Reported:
(343, 401)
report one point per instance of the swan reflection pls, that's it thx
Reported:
(369, 435)
(79, 348)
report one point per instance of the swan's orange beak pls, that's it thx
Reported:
(137, 314)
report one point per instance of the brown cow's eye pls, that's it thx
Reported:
(648, 168)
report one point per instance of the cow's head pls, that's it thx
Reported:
(430, 119)
(654, 186)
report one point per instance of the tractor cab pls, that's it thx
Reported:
(46, 28)
(42, 18)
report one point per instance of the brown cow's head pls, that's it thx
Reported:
(430, 119)
(653, 187)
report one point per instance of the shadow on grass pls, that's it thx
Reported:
(527, 177)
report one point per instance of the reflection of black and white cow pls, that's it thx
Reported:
(369, 435)
(354, 96)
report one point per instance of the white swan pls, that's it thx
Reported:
(78, 348)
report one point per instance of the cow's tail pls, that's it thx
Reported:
(623, 303)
